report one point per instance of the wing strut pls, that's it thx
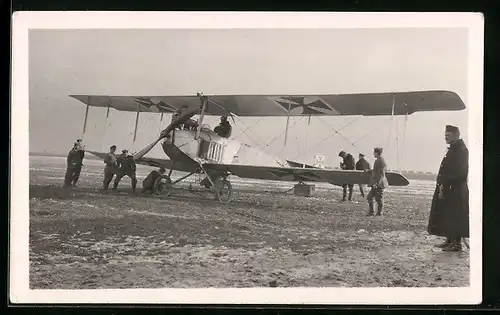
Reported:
(287, 121)
(202, 115)
(392, 121)
(85, 121)
(404, 132)
(105, 127)
(307, 129)
(136, 123)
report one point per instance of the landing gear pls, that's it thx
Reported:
(220, 186)
(223, 190)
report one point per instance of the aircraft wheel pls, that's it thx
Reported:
(223, 190)
(162, 185)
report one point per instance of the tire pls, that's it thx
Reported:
(223, 190)
(162, 185)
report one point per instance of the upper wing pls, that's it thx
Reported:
(335, 177)
(368, 104)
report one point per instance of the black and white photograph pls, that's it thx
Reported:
(261, 158)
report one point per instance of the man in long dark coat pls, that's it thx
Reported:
(449, 216)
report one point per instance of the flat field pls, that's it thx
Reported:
(82, 238)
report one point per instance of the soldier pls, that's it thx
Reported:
(449, 216)
(126, 167)
(111, 167)
(223, 129)
(362, 165)
(78, 167)
(74, 165)
(148, 183)
(378, 182)
(347, 163)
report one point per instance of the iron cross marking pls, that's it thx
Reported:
(307, 108)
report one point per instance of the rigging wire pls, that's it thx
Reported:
(369, 132)
(332, 134)
(253, 125)
(279, 135)
(337, 131)
(257, 143)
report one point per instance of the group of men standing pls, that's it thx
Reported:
(121, 165)
(378, 181)
(124, 165)
(449, 215)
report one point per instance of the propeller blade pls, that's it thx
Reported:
(146, 150)
(180, 119)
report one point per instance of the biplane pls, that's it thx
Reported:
(194, 148)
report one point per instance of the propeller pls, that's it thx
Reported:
(179, 119)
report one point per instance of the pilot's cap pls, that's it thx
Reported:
(342, 153)
(451, 128)
(124, 151)
(113, 147)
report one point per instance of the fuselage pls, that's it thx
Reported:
(211, 148)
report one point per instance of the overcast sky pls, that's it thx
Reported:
(173, 62)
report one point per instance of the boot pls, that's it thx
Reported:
(370, 209)
(344, 194)
(380, 206)
(454, 246)
(444, 244)
(350, 195)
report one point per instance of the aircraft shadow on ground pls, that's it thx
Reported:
(199, 196)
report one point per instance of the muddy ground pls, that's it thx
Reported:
(82, 238)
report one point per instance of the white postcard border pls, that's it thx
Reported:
(19, 223)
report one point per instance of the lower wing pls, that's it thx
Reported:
(295, 174)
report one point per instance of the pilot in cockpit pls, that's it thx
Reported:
(224, 128)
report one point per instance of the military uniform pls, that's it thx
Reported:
(224, 129)
(348, 163)
(110, 169)
(378, 182)
(74, 166)
(449, 215)
(78, 167)
(127, 167)
(362, 165)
